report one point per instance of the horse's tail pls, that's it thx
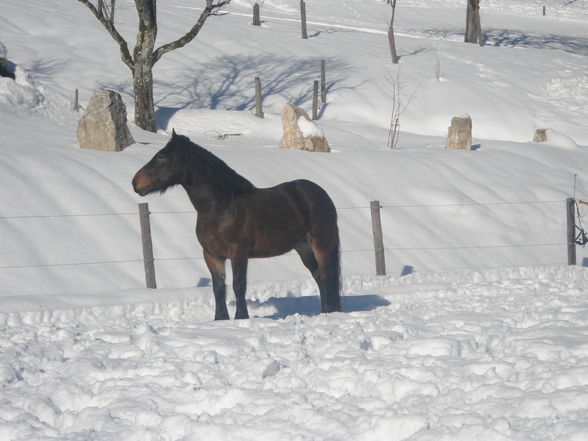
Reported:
(325, 243)
(334, 284)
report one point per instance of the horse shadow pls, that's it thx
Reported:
(311, 306)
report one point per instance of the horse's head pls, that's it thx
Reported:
(166, 168)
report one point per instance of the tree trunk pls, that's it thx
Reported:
(391, 41)
(303, 19)
(144, 57)
(256, 18)
(143, 89)
(143, 65)
(473, 32)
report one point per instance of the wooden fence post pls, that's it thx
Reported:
(303, 19)
(315, 100)
(378, 239)
(256, 19)
(571, 229)
(543, 11)
(76, 101)
(258, 105)
(323, 83)
(148, 260)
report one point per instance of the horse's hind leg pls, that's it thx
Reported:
(324, 271)
(306, 254)
(217, 271)
(328, 278)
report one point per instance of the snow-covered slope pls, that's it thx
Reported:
(484, 339)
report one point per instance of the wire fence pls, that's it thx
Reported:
(385, 206)
(474, 204)
(479, 244)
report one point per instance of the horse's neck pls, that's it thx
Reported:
(203, 198)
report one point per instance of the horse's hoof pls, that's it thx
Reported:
(221, 317)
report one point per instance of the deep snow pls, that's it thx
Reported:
(496, 355)
(482, 338)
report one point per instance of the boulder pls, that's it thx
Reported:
(104, 123)
(459, 135)
(540, 135)
(300, 132)
(6, 67)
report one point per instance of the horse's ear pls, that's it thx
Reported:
(173, 133)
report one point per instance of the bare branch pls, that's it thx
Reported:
(398, 108)
(106, 17)
(211, 8)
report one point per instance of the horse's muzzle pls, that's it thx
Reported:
(141, 184)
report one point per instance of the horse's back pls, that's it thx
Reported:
(309, 192)
(317, 205)
(285, 215)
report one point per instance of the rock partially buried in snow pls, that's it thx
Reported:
(540, 135)
(300, 132)
(459, 136)
(555, 139)
(104, 123)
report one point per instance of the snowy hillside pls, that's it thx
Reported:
(477, 333)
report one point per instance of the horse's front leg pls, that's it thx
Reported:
(217, 271)
(239, 267)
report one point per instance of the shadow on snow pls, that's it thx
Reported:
(227, 83)
(310, 305)
(514, 38)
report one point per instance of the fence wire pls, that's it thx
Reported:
(345, 251)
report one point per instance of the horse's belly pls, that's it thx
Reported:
(274, 242)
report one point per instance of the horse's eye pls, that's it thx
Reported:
(160, 158)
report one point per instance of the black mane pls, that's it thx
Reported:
(213, 169)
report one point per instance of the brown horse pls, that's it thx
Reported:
(237, 221)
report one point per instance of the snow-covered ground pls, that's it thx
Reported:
(495, 355)
(483, 337)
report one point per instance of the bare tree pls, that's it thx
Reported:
(399, 105)
(473, 33)
(144, 55)
(391, 41)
